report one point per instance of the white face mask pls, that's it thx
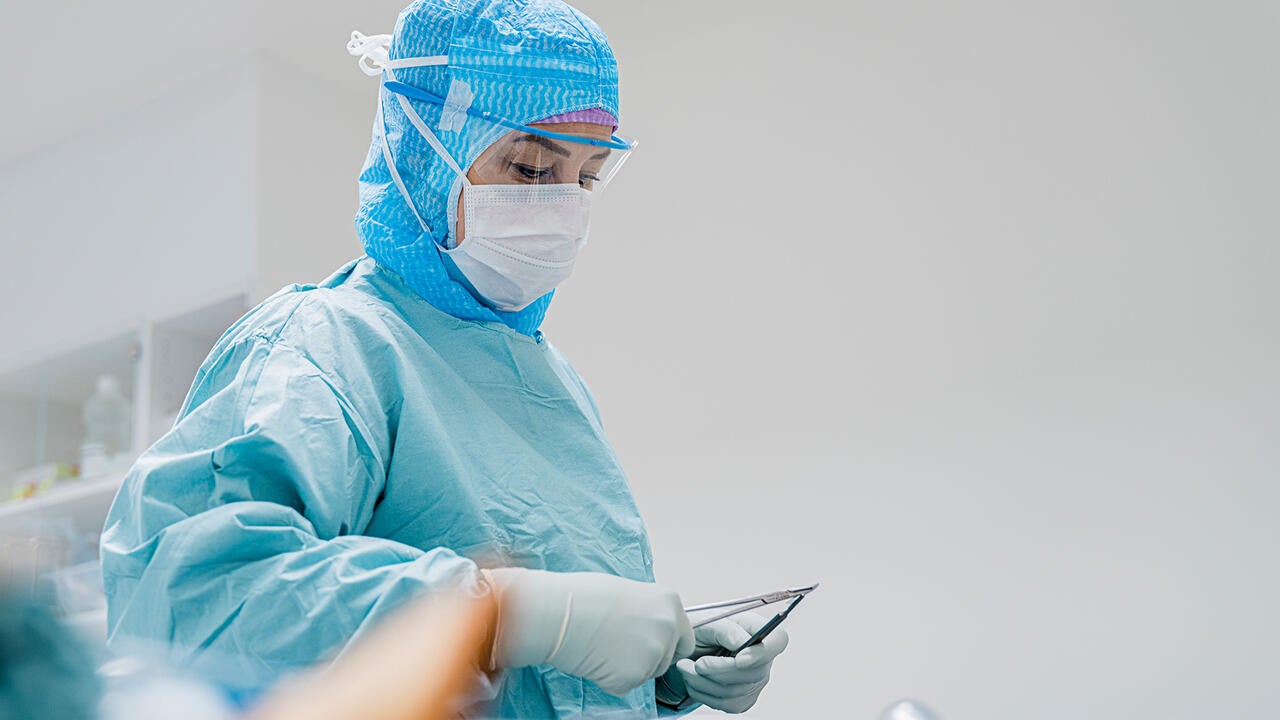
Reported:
(520, 240)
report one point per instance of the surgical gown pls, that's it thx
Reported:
(346, 447)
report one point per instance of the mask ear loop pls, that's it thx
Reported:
(426, 133)
(416, 120)
(374, 54)
(395, 174)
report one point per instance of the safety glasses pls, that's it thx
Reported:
(534, 155)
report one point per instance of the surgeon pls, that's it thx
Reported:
(403, 428)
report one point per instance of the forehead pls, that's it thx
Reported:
(585, 129)
(523, 143)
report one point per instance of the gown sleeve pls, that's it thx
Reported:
(236, 538)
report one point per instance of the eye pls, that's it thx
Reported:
(588, 179)
(531, 172)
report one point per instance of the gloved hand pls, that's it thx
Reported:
(731, 684)
(615, 632)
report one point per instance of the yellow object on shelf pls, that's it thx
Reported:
(37, 480)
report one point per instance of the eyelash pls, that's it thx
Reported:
(531, 172)
(536, 173)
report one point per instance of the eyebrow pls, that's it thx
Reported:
(556, 147)
(544, 142)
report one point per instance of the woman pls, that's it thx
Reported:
(403, 428)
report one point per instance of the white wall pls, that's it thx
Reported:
(313, 135)
(187, 199)
(970, 312)
(146, 212)
(241, 182)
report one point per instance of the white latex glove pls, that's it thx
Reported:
(731, 684)
(615, 632)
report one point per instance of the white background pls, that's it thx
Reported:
(967, 310)
(970, 311)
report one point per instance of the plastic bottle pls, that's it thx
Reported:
(106, 420)
(908, 710)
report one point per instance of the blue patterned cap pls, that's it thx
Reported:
(523, 60)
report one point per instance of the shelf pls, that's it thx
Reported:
(42, 405)
(80, 504)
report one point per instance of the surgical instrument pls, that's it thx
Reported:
(748, 603)
(758, 636)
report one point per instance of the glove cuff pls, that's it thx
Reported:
(670, 691)
(491, 641)
(533, 612)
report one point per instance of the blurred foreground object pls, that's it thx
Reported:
(44, 672)
(422, 663)
(908, 710)
(417, 665)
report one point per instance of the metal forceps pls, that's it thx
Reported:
(749, 603)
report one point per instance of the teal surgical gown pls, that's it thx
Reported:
(346, 447)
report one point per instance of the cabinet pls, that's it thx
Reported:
(41, 401)
(138, 241)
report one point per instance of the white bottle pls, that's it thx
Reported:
(106, 426)
(908, 710)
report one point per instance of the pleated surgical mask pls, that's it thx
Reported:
(520, 241)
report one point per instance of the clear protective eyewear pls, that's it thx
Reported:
(531, 155)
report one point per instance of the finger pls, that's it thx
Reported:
(724, 633)
(749, 621)
(765, 651)
(687, 640)
(664, 657)
(731, 705)
(680, 643)
(722, 701)
(737, 678)
(776, 642)
(751, 659)
(715, 689)
(758, 655)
